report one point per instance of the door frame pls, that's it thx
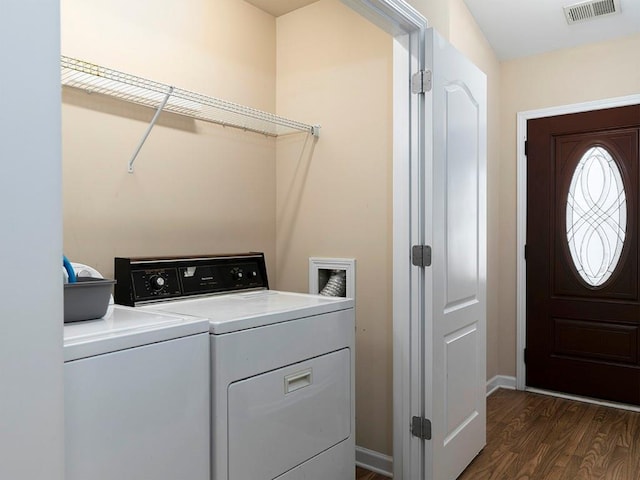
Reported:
(521, 225)
(408, 27)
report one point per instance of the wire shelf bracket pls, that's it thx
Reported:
(161, 97)
(146, 134)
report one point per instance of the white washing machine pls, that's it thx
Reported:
(282, 364)
(137, 397)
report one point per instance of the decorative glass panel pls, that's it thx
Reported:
(596, 216)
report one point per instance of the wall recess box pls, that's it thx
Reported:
(321, 271)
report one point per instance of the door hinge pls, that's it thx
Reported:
(525, 252)
(421, 428)
(526, 148)
(525, 355)
(421, 255)
(421, 82)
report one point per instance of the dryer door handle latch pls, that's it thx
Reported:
(298, 380)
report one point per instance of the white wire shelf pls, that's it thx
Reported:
(130, 88)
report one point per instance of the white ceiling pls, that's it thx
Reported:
(280, 7)
(518, 28)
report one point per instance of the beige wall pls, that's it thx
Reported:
(198, 187)
(334, 195)
(592, 72)
(437, 13)
(224, 48)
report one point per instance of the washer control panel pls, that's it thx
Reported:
(143, 280)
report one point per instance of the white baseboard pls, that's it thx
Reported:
(500, 381)
(374, 461)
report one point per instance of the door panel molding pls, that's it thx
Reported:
(605, 341)
(460, 380)
(521, 137)
(462, 170)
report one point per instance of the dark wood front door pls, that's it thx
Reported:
(583, 304)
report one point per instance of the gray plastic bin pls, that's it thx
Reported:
(87, 299)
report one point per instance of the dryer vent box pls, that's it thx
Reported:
(332, 277)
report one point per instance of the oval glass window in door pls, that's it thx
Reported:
(596, 216)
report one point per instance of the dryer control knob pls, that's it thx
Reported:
(237, 274)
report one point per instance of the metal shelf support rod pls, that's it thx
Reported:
(146, 134)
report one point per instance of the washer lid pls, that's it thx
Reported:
(240, 311)
(125, 327)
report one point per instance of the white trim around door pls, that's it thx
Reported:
(407, 26)
(523, 117)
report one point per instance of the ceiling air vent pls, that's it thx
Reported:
(589, 10)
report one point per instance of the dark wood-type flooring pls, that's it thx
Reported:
(535, 437)
(362, 474)
(538, 437)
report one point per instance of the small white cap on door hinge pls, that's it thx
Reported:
(583, 11)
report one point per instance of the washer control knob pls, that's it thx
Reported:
(157, 282)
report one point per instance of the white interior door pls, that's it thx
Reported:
(455, 284)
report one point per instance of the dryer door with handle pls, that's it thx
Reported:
(280, 419)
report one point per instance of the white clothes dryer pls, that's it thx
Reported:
(282, 364)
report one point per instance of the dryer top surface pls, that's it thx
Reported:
(240, 311)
